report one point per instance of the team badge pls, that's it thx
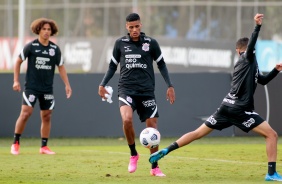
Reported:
(129, 99)
(51, 52)
(31, 98)
(145, 47)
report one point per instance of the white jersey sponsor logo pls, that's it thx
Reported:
(133, 56)
(42, 63)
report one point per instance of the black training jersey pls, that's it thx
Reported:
(41, 65)
(245, 77)
(136, 64)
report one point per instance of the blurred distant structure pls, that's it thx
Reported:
(190, 20)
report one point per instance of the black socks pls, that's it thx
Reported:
(271, 168)
(133, 151)
(17, 138)
(172, 147)
(44, 142)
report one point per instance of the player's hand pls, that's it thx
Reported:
(68, 91)
(17, 86)
(170, 95)
(258, 18)
(279, 67)
(102, 92)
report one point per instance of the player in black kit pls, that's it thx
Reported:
(43, 56)
(135, 53)
(237, 107)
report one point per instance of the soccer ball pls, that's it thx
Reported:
(150, 137)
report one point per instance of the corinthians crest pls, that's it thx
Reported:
(146, 47)
(51, 52)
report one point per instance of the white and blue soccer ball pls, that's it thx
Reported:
(150, 137)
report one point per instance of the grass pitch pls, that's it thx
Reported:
(232, 160)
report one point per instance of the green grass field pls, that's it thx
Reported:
(225, 160)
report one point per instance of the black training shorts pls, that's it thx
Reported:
(46, 101)
(146, 106)
(226, 116)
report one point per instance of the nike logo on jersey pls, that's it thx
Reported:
(37, 50)
(127, 49)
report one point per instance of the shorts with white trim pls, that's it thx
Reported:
(226, 116)
(146, 106)
(46, 101)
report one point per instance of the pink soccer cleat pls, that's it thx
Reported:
(132, 166)
(46, 150)
(157, 172)
(15, 149)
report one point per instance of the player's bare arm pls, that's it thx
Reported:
(65, 79)
(17, 67)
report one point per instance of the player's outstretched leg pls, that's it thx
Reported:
(158, 155)
(274, 177)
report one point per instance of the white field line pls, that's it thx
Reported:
(189, 158)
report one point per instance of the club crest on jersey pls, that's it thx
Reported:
(51, 52)
(31, 98)
(146, 47)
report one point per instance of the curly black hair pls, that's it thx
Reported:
(37, 25)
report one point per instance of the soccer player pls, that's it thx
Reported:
(135, 53)
(43, 55)
(237, 107)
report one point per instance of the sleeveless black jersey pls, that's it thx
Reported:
(41, 64)
(136, 64)
(246, 76)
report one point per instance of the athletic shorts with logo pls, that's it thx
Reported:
(146, 106)
(46, 101)
(226, 116)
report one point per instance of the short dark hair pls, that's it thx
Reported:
(242, 43)
(132, 17)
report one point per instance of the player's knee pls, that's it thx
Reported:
(127, 122)
(273, 134)
(25, 115)
(46, 117)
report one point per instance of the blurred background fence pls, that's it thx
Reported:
(88, 29)
(186, 19)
